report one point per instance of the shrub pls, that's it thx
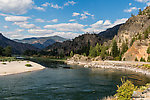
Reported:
(148, 60)
(136, 59)
(125, 91)
(28, 65)
(142, 60)
(148, 50)
(4, 63)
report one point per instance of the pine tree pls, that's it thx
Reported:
(7, 51)
(124, 47)
(114, 50)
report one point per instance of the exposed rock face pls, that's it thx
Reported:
(16, 47)
(138, 50)
(134, 26)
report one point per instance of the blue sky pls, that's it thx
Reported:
(66, 18)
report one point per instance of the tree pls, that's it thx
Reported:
(98, 49)
(140, 12)
(124, 48)
(8, 51)
(114, 50)
(1, 51)
(148, 50)
(71, 54)
(92, 52)
(132, 41)
(103, 51)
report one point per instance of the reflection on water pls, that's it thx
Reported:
(57, 83)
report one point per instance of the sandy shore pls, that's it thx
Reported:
(15, 67)
(124, 65)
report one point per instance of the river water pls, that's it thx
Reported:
(59, 83)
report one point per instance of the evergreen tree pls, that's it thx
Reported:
(103, 52)
(1, 51)
(114, 51)
(7, 51)
(124, 48)
(98, 49)
(92, 52)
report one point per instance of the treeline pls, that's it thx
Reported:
(7, 51)
(105, 51)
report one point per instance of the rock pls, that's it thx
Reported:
(136, 94)
(109, 58)
(99, 58)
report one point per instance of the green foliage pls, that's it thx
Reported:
(146, 32)
(124, 47)
(114, 51)
(7, 51)
(71, 54)
(125, 91)
(139, 37)
(28, 65)
(95, 51)
(136, 59)
(148, 60)
(142, 59)
(140, 12)
(103, 52)
(132, 41)
(148, 50)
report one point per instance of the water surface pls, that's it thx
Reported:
(58, 83)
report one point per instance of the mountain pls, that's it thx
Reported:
(81, 43)
(42, 42)
(17, 48)
(136, 34)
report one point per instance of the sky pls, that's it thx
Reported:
(66, 18)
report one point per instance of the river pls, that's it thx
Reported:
(58, 82)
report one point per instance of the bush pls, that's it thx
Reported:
(148, 60)
(148, 50)
(125, 91)
(28, 65)
(136, 59)
(142, 60)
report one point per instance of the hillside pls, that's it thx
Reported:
(42, 42)
(82, 43)
(17, 48)
(135, 33)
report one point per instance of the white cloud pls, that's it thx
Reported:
(130, 10)
(107, 22)
(6, 27)
(39, 20)
(54, 20)
(24, 25)
(76, 14)
(16, 18)
(97, 24)
(55, 6)
(39, 8)
(143, 1)
(45, 4)
(15, 6)
(130, 4)
(70, 27)
(19, 30)
(40, 31)
(69, 2)
(84, 15)
(72, 20)
(148, 3)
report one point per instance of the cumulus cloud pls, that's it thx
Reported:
(6, 27)
(130, 10)
(70, 27)
(45, 4)
(72, 20)
(39, 20)
(56, 6)
(75, 14)
(69, 3)
(83, 15)
(141, 0)
(15, 6)
(24, 25)
(16, 18)
(39, 8)
(40, 31)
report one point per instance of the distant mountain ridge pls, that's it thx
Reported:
(42, 42)
(81, 42)
(17, 48)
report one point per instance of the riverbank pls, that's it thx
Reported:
(15, 67)
(124, 65)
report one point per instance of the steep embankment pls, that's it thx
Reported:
(135, 31)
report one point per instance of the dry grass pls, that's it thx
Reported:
(109, 98)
